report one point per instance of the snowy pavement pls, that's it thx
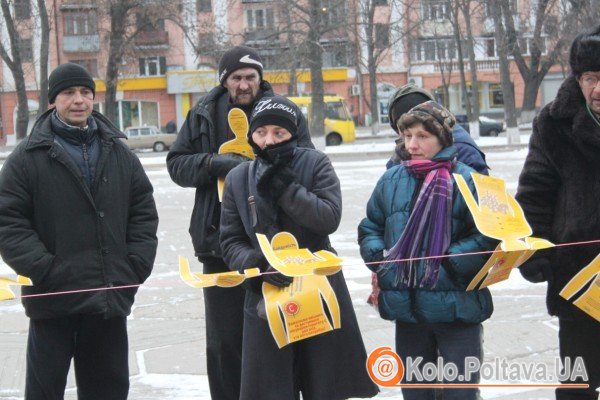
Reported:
(167, 355)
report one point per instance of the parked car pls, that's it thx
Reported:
(149, 137)
(487, 126)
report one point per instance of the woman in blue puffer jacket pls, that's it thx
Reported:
(416, 211)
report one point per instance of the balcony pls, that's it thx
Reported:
(261, 35)
(480, 65)
(152, 40)
(81, 43)
(78, 5)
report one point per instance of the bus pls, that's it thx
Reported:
(339, 125)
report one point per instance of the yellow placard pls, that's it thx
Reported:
(497, 215)
(6, 292)
(238, 123)
(222, 279)
(297, 312)
(284, 255)
(589, 301)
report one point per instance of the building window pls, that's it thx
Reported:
(25, 50)
(203, 6)
(91, 65)
(439, 49)
(22, 9)
(337, 54)
(80, 23)
(382, 36)
(134, 113)
(153, 66)
(379, 3)
(525, 44)
(259, 19)
(490, 47)
(334, 13)
(496, 96)
(146, 24)
(435, 10)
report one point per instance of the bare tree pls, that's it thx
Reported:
(44, 49)
(510, 114)
(553, 29)
(15, 64)
(378, 39)
(125, 20)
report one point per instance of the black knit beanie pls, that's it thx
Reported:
(585, 52)
(237, 58)
(403, 99)
(276, 110)
(66, 76)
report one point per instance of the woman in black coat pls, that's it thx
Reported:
(295, 190)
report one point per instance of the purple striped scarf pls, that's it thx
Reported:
(428, 228)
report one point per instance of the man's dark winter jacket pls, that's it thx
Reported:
(66, 236)
(559, 190)
(188, 159)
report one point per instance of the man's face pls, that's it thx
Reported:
(74, 105)
(243, 85)
(588, 81)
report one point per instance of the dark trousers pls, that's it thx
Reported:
(224, 313)
(98, 347)
(453, 342)
(580, 338)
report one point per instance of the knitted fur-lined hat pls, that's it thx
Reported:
(585, 52)
(436, 119)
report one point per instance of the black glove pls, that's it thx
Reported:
(534, 270)
(277, 278)
(275, 180)
(221, 164)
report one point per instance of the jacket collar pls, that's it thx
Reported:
(42, 135)
(570, 106)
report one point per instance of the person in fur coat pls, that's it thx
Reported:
(558, 190)
(291, 189)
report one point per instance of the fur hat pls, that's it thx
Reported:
(66, 76)
(403, 99)
(275, 110)
(585, 52)
(237, 58)
(436, 119)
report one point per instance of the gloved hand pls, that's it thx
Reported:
(221, 164)
(275, 180)
(534, 270)
(277, 278)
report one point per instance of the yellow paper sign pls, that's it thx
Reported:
(285, 256)
(222, 279)
(238, 123)
(498, 215)
(5, 283)
(589, 301)
(297, 312)
(499, 266)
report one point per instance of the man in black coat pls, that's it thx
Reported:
(559, 190)
(193, 161)
(77, 213)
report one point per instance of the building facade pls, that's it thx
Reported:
(170, 62)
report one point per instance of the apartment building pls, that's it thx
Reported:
(167, 68)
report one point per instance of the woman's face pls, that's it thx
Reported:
(420, 144)
(269, 135)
